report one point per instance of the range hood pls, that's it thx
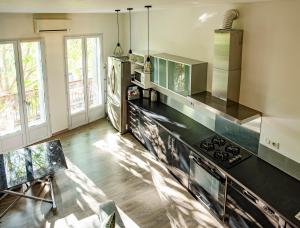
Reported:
(224, 98)
(230, 110)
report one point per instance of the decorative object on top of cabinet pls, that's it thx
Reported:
(118, 50)
(153, 95)
(130, 51)
(181, 75)
(146, 93)
(147, 66)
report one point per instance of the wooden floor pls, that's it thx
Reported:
(104, 165)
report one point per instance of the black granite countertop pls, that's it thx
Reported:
(276, 188)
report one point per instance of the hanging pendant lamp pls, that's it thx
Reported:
(130, 51)
(147, 65)
(118, 50)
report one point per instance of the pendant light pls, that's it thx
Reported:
(147, 65)
(118, 50)
(130, 51)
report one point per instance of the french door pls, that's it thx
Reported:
(24, 115)
(84, 79)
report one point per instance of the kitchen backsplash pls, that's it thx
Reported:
(244, 136)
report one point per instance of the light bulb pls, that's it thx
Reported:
(147, 65)
(118, 50)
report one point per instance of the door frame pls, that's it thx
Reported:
(21, 92)
(84, 72)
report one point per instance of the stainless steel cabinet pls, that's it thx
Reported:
(180, 165)
(134, 122)
(149, 133)
(244, 210)
(178, 74)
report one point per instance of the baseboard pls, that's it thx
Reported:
(59, 132)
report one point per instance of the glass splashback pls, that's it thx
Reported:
(179, 78)
(162, 72)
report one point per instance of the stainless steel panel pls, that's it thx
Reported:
(118, 79)
(221, 50)
(114, 112)
(227, 64)
(114, 78)
(220, 83)
(199, 78)
(228, 49)
(226, 84)
(234, 81)
(231, 110)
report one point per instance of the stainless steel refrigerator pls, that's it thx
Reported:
(118, 79)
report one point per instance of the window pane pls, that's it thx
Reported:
(33, 82)
(93, 71)
(74, 59)
(9, 99)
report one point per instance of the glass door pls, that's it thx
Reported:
(34, 90)
(84, 80)
(12, 130)
(23, 104)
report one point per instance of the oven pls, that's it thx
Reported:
(208, 184)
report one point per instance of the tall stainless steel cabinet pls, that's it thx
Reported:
(227, 64)
(118, 79)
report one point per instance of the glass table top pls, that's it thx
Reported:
(31, 163)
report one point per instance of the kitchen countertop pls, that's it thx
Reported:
(276, 188)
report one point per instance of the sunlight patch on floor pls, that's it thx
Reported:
(182, 205)
(87, 191)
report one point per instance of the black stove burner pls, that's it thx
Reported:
(220, 155)
(207, 146)
(223, 152)
(232, 149)
(218, 141)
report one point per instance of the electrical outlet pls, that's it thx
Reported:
(272, 143)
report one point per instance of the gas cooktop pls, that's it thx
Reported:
(222, 151)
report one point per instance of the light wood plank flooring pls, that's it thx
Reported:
(105, 165)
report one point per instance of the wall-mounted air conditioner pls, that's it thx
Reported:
(51, 25)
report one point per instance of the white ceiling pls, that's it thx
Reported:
(94, 6)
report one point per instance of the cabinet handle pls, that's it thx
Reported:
(207, 204)
(250, 196)
(132, 113)
(132, 119)
(173, 144)
(169, 144)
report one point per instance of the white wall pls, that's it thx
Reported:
(16, 26)
(270, 70)
(271, 52)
